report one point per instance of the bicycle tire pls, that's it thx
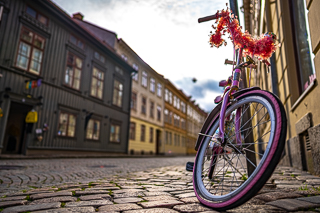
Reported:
(245, 187)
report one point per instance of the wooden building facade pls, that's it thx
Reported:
(62, 90)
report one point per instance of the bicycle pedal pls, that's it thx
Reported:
(189, 166)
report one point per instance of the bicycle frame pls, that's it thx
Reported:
(229, 91)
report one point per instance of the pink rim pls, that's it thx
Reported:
(263, 168)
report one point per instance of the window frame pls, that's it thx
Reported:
(67, 124)
(98, 80)
(152, 85)
(99, 129)
(301, 68)
(31, 50)
(37, 15)
(113, 135)
(151, 134)
(159, 110)
(134, 101)
(142, 133)
(116, 93)
(77, 43)
(159, 90)
(132, 131)
(151, 109)
(143, 105)
(75, 57)
(144, 79)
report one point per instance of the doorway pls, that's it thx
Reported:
(158, 141)
(15, 134)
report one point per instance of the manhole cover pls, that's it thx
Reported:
(103, 166)
(11, 167)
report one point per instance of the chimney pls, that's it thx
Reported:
(77, 16)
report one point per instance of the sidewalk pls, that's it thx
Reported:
(166, 189)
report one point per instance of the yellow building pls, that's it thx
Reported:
(195, 119)
(294, 68)
(175, 120)
(146, 120)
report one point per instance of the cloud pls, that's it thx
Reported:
(199, 88)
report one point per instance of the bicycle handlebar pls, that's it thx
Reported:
(208, 18)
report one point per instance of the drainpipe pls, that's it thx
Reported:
(274, 74)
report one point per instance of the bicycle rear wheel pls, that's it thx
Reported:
(223, 180)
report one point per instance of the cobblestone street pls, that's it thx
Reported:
(135, 185)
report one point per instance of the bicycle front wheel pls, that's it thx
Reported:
(228, 178)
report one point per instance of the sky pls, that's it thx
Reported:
(167, 36)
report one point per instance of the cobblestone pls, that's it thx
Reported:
(163, 188)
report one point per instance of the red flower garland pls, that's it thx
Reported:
(261, 47)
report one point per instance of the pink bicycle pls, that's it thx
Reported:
(242, 140)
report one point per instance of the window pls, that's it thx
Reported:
(176, 140)
(67, 124)
(30, 52)
(97, 83)
(30, 11)
(115, 133)
(117, 93)
(132, 133)
(183, 107)
(178, 103)
(143, 105)
(166, 115)
(166, 95)
(151, 109)
(170, 118)
(73, 71)
(174, 101)
(183, 141)
(74, 40)
(152, 85)
(143, 133)
(99, 57)
(144, 80)
(159, 113)
(183, 123)
(167, 137)
(176, 120)
(134, 101)
(135, 67)
(118, 70)
(124, 57)
(170, 97)
(135, 76)
(159, 90)
(301, 47)
(151, 135)
(93, 129)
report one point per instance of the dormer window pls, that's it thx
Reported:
(35, 14)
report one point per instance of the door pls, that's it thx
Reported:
(15, 134)
(158, 141)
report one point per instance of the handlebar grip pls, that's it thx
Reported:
(208, 18)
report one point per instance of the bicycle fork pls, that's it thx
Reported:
(237, 124)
